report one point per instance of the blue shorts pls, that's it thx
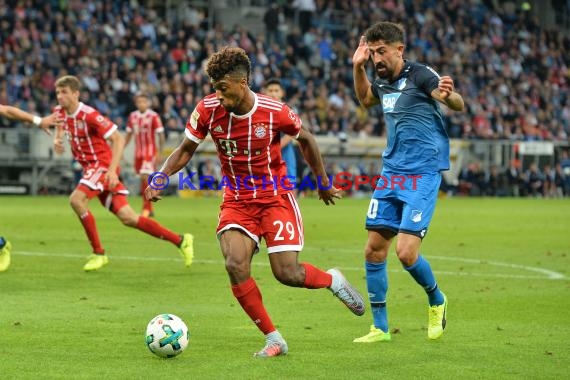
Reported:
(403, 203)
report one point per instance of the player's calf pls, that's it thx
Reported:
(290, 275)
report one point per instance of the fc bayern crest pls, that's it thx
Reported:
(260, 131)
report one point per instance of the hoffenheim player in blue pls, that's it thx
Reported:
(417, 151)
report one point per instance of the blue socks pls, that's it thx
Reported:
(421, 272)
(377, 283)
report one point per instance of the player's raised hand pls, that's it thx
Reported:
(328, 195)
(152, 194)
(362, 54)
(445, 86)
(53, 120)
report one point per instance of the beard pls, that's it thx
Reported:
(382, 71)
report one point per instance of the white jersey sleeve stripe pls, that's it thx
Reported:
(190, 136)
(110, 131)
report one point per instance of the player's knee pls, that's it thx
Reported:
(236, 268)
(73, 202)
(406, 255)
(129, 220)
(374, 254)
(76, 202)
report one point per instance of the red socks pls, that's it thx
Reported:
(152, 228)
(316, 278)
(88, 222)
(249, 297)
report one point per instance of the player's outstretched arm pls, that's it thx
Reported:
(15, 113)
(58, 140)
(313, 157)
(445, 93)
(117, 146)
(286, 140)
(173, 164)
(128, 137)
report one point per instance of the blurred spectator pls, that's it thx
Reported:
(306, 10)
(534, 181)
(274, 21)
(559, 182)
(496, 183)
(565, 167)
(471, 180)
(515, 180)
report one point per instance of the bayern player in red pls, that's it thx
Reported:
(245, 127)
(146, 127)
(88, 132)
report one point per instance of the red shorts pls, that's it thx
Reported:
(144, 165)
(276, 219)
(93, 184)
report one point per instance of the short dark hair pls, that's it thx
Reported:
(228, 60)
(388, 32)
(271, 81)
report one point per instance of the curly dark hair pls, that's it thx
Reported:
(388, 32)
(228, 60)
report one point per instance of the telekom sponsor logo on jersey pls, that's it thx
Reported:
(342, 180)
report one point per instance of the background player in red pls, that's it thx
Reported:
(245, 127)
(146, 127)
(87, 131)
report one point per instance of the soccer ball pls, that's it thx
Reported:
(167, 335)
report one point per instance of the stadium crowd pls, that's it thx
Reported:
(547, 181)
(512, 70)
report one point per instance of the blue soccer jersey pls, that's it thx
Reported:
(290, 158)
(417, 140)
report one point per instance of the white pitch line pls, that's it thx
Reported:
(550, 275)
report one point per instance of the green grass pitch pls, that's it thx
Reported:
(503, 263)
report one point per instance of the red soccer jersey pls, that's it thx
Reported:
(87, 130)
(248, 145)
(145, 126)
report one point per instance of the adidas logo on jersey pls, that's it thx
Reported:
(218, 129)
